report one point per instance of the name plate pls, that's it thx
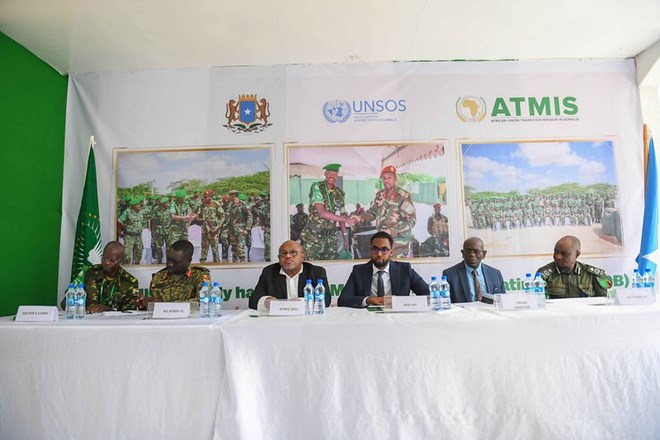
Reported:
(164, 310)
(629, 297)
(410, 303)
(36, 314)
(515, 301)
(286, 308)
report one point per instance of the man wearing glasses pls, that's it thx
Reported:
(370, 282)
(286, 278)
(108, 285)
(470, 279)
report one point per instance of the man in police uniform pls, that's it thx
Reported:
(567, 278)
(319, 236)
(179, 281)
(394, 212)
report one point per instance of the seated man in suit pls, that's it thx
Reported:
(286, 278)
(370, 282)
(470, 278)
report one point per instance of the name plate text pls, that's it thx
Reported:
(515, 301)
(410, 303)
(166, 310)
(629, 297)
(36, 314)
(286, 308)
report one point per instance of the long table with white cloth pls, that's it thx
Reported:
(576, 369)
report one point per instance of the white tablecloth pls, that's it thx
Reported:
(574, 370)
(106, 378)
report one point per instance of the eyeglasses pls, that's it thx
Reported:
(283, 254)
(383, 250)
(111, 260)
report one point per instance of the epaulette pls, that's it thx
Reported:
(547, 270)
(594, 270)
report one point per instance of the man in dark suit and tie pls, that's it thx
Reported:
(470, 278)
(370, 282)
(286, 278)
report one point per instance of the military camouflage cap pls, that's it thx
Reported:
(388, 169)
(332, 167)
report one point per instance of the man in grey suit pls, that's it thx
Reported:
(370, 282)
(470, 278)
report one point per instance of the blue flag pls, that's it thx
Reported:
(648, 249)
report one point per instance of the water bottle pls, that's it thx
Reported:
(216, 301)
(308, 291)
(434, 295)
(528, 285)
(70, 298)
(445, 297)
(204, 300)
(81, 302)
(635, 280)
(539, 289)
(647, 279)
(319, 298)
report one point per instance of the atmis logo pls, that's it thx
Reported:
(247, 115)
(471, 108)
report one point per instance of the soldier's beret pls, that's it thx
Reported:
(242, 197)
(388, 169)
(164, 200)
(208, 192)
(263, 194)
(135, 200)
(180, 193)
(437, 205)
(332, 167)
(299, 205)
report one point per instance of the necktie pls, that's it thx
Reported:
(380, 285)
(477, 287)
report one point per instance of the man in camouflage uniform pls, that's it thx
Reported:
(567, 278)
(195, 203)
(239, 220)
(182, 216)
(224, 230)
(319, 237)
(132, 222)
(211, 217)
(394, 212)
(179, 281)
(263, 219)
(108, 285)
(437, 226)
(298, 222)
(161, 220)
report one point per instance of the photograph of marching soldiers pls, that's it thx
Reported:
(519, 196)
(340, 195)
(218, 199)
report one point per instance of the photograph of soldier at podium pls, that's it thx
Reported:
(179, 281)
(565, 277)
(287, 278)
(370, 282)
(471, 280)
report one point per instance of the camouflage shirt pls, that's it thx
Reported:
(332, 199)
(120, 292)
(239, 218)
(179, 289)
(161, 219)
(182, 210)
(393, 213)
(133, 222)
(211, 216)
(585, 280)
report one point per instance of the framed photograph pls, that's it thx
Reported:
(341, 194)
(218, 198)
(521, 197)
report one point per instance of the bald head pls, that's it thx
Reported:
(113, 256)
(473, 251)
(566, 252)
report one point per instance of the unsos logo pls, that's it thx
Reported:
(363, 110)
(247, 115)
(471, 108)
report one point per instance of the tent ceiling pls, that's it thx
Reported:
(92, 35)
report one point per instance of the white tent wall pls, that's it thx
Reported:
(186, 108)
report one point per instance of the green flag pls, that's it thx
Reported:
(87, 247)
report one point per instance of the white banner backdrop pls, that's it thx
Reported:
(551, 104)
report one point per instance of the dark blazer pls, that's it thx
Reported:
(358, 287)
(272, 283)
(459, 288)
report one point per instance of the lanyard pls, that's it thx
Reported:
(112, 291)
